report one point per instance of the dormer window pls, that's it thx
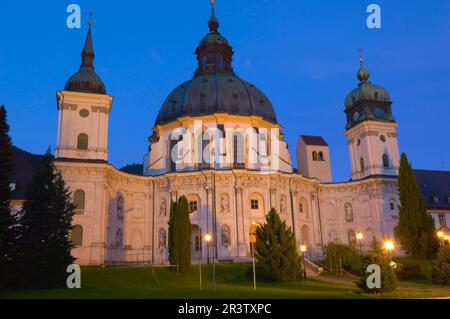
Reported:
(12, 187)
(448, 200)
(435, 199)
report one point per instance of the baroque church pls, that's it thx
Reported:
(217, 141)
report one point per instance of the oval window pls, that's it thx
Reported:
(84, 113)
(383, 138)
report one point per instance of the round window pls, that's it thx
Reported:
(84, 113)
(383, 138)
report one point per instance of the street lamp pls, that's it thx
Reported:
(303, 249)
(253, 257)
(360, 237)
(208, 239)
(389, 246)
(441, 236)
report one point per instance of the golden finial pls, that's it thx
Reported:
(361, 59)
(90, 18)
(213, 3)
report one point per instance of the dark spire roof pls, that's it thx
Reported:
(213, 23)
(86, 80)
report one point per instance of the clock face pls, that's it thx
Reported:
(378, 112)
(355, 116)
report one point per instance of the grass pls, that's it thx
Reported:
(232, 283)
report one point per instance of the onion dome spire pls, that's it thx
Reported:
(86, 80)
(363, 74)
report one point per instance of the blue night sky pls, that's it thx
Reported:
(302, 54)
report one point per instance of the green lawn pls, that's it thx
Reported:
(232, 283)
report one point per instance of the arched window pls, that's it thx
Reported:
(79, 201)
(363, 166)
(76, 235)
(238, 151)
(225, 232)
(321, 158)
(351, 237)
(120, 208)
(314, 156)
(82, 142)
(385, 161)
(119, 238)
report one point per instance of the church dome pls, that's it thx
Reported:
(85, 80)
(215, 87)
(366, 91)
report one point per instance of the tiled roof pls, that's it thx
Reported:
(314, 140)
(435, 184)
(25, 165)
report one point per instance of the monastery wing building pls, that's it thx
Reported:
(217, 141)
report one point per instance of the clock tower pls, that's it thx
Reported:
(371, 130)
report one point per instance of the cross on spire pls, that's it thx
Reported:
(361, 59)
(213, 3)
(90, 14)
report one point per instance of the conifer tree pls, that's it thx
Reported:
(45, 226)
(416, 229)
(180, 235)
(8, 222)
(276, 251)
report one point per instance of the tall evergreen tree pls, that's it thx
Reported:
(416, 229)
(276, 251)
(180, 235)
(8, 222)
(45, 226)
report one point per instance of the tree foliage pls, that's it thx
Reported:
(441, 267)
(276, 251)
(8, 222)
(45, 225)
(416, 229)
(180, 235)
(346, 256)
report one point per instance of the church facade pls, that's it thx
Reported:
(217, 141)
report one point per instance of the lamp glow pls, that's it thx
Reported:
(389, 245)
(208, 238)
(303, 248)
(440, 234)
(359, 236)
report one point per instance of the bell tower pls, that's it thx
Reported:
(83, 112)
(371, 129)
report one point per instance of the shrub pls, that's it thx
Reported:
(349, 256)
(389, 280)
(410, 270)
(441, 267)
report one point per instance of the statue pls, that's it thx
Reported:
(348, 213)
(224, 204)
(162, 239)
(226, 235)
(162, 208)
(282, 205)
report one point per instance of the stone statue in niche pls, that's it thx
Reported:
(283, 205)
(163, 208)
(348, 213)
(226, 235)
(224, 204)
(162, 239)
